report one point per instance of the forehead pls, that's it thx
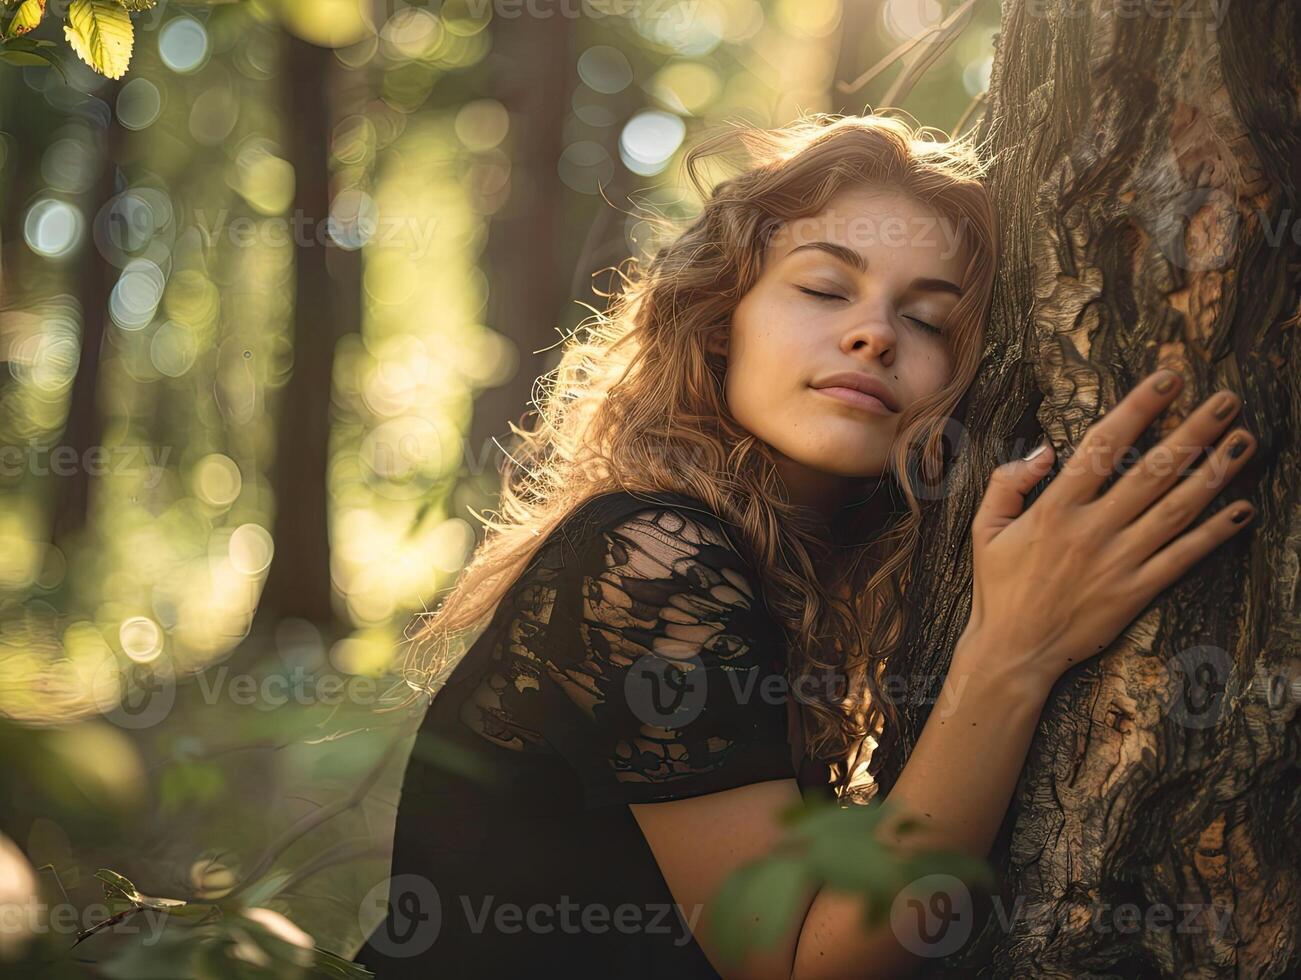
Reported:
(882, 222)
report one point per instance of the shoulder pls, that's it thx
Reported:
(663, 656)
(644, 531)
(663, 574)
(651, 566)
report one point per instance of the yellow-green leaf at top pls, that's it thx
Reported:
(26, 17)
(101, 34)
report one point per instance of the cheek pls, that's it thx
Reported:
(765, 343)
(934, 369)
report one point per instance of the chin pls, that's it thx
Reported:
(870, 466)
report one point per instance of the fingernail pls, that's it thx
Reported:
(1164, 381)
(1237, 449)
(1225, 408)
(1037, 451)
(1242, 516)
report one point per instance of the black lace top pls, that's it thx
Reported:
(632, 662)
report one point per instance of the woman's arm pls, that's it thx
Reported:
(958, 780)
(1052, 587)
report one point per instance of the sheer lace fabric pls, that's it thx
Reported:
(650, 625)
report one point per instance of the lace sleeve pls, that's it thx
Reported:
(672, 678)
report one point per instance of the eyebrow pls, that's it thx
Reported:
(852, 258)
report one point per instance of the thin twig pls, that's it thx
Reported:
(943, 36)
(972, 106)
(311, 821)
(848, 88)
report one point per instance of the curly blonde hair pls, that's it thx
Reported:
(637, 403)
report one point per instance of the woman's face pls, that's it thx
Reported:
(862, 290)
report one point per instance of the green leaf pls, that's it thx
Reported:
(116, 886)
(862, 866)
(120, 889)
(326, 964)
(198, 911)
(26, 18)
(819, 819)
(267, 888)
(973, 871)
(26, 52)
(101, 34)
(757, 904)
(24, 59)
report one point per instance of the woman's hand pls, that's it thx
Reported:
(1055, 584)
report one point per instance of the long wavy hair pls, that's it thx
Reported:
(637, 403)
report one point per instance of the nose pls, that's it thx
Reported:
(872, 336)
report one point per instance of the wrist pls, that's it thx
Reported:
(984, 657)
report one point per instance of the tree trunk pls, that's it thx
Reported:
(84, 429)
(327, 305)
(1147, 183)
(523, 255)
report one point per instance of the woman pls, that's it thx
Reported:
(717, 506)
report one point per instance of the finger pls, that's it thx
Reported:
(1094, 460)
(1174, 561)
(1180, 507)
(1004, 499)
(1163, 465)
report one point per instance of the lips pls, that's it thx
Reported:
(858, 399)
(856, 387)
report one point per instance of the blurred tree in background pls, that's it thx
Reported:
(274, 277)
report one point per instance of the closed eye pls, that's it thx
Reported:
(817, 293)
(924, 325)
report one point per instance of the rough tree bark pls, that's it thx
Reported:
(1147, 172)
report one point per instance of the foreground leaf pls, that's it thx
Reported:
(757, 904)
(101, 34)
(26, 18)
